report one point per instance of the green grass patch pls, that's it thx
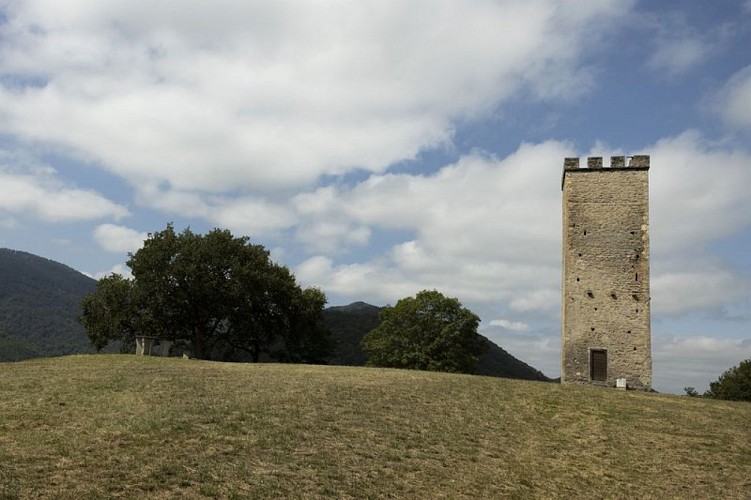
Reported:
(123, 426)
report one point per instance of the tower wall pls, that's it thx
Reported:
(605, 306)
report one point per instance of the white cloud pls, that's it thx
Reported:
(510, 325)
(679, 46)
(114, 238)
(120, 269)
(676, 56)
(258, 95)
(40, 194)
(485, 230)
(733, 102)
(368, 281)
(242, 214)
(694, 361)
(697, 193)
(330, 236)
(692, 287)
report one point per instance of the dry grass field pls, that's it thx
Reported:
(125, 426)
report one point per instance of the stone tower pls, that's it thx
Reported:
(606, 338)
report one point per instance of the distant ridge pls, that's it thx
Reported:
(39, 306)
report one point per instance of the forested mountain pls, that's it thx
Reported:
(40, 303)
(349, 325)
(39, 306)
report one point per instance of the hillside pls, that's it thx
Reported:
(349, 324)
(39, 304)
(125, 426)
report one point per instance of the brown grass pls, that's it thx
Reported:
(127, 426)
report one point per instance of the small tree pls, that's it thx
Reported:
(734, 384)
(691, 392)
(426, 332)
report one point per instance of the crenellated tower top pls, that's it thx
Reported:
(635, 162)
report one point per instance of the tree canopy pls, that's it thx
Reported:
(734, 384)
(426, 332)
(216, 291)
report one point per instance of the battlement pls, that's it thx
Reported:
(593, 162)
(636, 162)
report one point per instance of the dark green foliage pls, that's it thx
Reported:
(734, 384)
(348, 325)
(426, 332)
(39, 303)
(112, 313)
(496, 362)
(691, 392)
(218, 292)
(309, 339)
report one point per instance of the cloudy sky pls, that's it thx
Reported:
(379, 148)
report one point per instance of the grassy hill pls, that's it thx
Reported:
(127, 426)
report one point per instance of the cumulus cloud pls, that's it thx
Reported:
(680, 47)
(120, 269)
(509, 325)
(114, 238)
(40, 194)
(694, 361)
(733, 102)
(697, 197)
(676, 56)
(245, 214)
(697, 184)
(485, 230)
(258, 95)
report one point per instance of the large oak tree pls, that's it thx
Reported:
(216, 291)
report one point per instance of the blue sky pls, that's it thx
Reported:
(379, 148)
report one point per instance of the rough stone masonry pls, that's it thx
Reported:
(606, 337)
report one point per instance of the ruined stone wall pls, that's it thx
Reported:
(606, 271)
